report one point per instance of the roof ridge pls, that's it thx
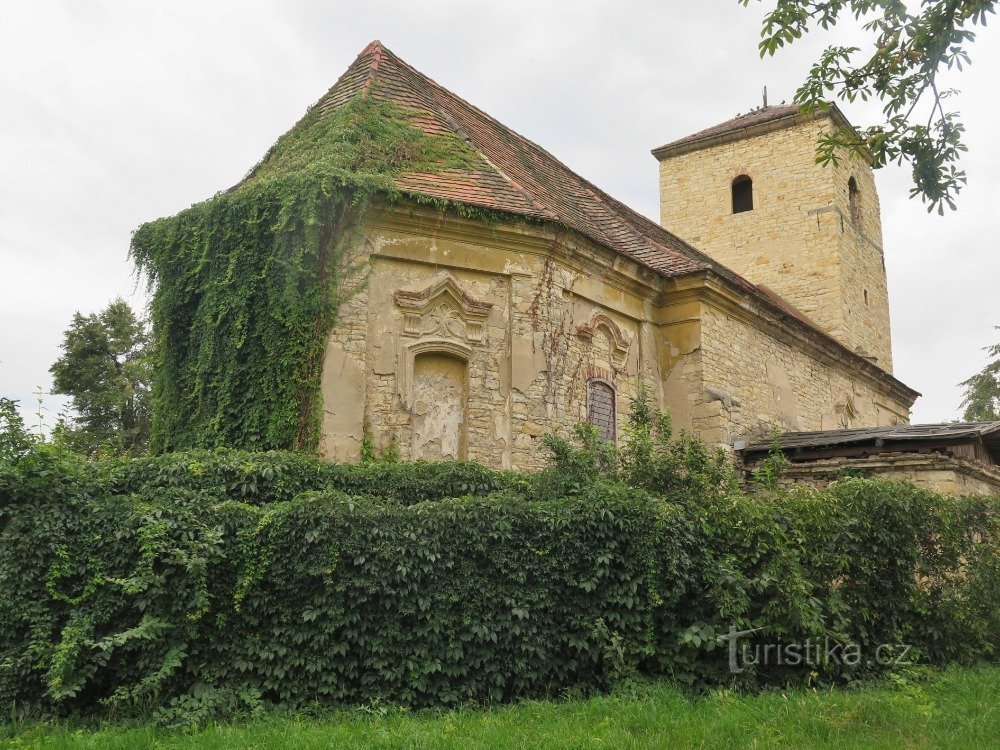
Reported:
(375, 49)
(599, 194)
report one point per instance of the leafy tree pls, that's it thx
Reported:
(14, 438)
(911, 48)
(106, 369)
(982, 390)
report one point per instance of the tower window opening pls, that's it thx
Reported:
(742, 194)
(854, 197)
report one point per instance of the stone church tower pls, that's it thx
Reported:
(749, 193)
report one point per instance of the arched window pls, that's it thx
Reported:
(742, 194)
(854, 196)
(601, 408)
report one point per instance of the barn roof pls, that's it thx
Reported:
(882, 439)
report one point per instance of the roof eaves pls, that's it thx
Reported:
(695, 143)
(918, 433)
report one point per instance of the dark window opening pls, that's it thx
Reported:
(742, 194)
(866, 296)
(854, 197)
(601, 408)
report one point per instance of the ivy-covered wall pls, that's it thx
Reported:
(246, 285)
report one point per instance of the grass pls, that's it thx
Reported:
(952, 708)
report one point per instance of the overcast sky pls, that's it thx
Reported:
(117, 112)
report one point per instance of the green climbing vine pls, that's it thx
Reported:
(246, 285)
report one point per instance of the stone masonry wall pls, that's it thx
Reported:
(531, 331)
(800, 239)
(756, 381)
(509, 324)
(932, 471)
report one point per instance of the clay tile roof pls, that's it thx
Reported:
(752, 123)
(519, 177)
(514, 175)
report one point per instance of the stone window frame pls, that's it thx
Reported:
(446, 348)
(442, 297)
(619, 339)
(591, 382)
(742, 201)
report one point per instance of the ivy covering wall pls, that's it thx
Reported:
(206, 584)
(246, 285)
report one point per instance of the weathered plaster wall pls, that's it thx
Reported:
(523, 328)
(801, 239)
(468, 341)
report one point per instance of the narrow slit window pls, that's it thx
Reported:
(855, 199)
(742, 194)
(601, 408)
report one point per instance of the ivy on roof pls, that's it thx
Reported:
(246, 285)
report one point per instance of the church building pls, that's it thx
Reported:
(757, 306)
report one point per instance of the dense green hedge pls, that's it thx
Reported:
(273, 476)
(204, 583)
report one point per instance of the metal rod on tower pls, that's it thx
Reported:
(765, 95)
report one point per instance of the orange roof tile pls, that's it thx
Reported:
(519, 177)
(754, 122)
(515, 175)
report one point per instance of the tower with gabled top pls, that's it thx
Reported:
(749, 193)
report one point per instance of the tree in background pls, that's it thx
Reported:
(105, 368)
(910, 50)
(14, 438)
(982, 391)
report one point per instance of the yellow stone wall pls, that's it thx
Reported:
(526, 315)
(801, 239)
(759, 380)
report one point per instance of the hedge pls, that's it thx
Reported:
(273, 476)
(204, 583)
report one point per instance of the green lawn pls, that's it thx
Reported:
(955, 708)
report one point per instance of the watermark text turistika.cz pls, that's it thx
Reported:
(808, 653)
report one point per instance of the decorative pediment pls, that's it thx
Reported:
(620, 341)
(442, 308)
